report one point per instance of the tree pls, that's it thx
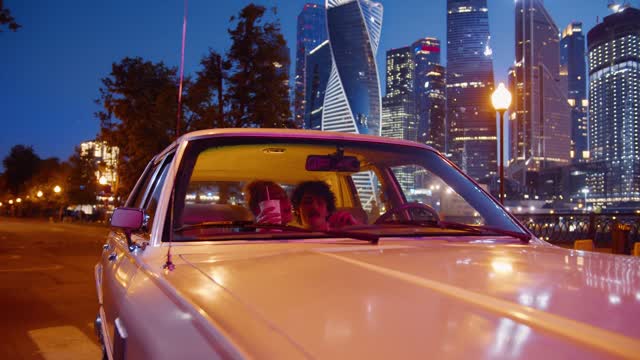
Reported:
(7, 19)
(258, 90)
(204, 99)
(83, 184)
(139, 116)
(20, 165)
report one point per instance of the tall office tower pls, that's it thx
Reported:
(398, 106)
(472, 120)
(614, 107)
(317, 70)
(352, 102)
(573, 67)
(430, 93)
(542, 126)
(311, 32)
(398, 111)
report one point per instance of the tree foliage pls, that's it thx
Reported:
(20, 165)
(83, 184)
(257, 88)
(202, 98)
(139, 116)
(7, 19)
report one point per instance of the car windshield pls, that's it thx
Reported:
(389, 189)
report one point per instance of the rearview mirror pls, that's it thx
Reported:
(332, 163)
(127, 218)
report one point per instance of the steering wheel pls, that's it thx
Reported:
(407, 206)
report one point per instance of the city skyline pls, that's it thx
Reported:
(59, 68)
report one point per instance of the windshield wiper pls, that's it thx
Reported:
(483, 229)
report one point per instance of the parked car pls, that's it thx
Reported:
(434, 266)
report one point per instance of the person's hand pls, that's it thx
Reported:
(269, 216)
(340, 219)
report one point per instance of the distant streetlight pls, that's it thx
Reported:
(0, 204)
(585, 191)
(501, 99)
(18, 200)
(11, 202)
(103, 180)
(39, 194)
(57, 189)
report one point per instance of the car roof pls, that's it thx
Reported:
(294, 133)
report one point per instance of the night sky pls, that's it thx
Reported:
(50, 69)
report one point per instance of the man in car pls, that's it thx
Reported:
(315, 207)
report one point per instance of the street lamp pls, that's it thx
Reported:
(39, 194)
(102, 180)
(19, 200)
(57, 189)
(501, 99)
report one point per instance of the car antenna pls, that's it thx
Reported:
(184, 36)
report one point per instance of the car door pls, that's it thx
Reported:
(118, 266)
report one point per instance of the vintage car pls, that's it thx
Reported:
(434, 267)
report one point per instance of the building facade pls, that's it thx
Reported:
(614, 106)
(106, 159)
(541, 127)
(470, 116)
(353, 100)
(317, 71)
(398, 106)
(573, 67)
(311, 32)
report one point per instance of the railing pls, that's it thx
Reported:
(616, 231)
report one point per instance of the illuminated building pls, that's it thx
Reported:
(106, 158)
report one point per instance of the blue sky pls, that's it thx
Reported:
(50, 69)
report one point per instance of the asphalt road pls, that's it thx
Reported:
(47, 292)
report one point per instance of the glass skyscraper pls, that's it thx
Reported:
(574, 68)
(398, 106)
(429, 84)
(541, 129)
(317, 70)
(471, 118)
(352, 100)
(311, 32)
(614, 106)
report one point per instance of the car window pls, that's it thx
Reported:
(423, 186)
(211, 203)
(135, 200)
(152, 201)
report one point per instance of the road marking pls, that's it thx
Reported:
(64, 342)
(31, 269)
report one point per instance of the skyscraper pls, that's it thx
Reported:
(311, 32)
(398, 106)
(573, 67)
(317, 70)
(614, 107)
(540, 132)
(472, 121)
(352, 101)
(429, 84)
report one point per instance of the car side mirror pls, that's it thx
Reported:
(128, 220)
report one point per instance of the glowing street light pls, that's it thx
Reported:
(501, 99)
(11, 202)
(102, 180)
(39, 194)
(57, 189)
(18, 200)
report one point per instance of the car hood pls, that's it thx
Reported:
(416, 299)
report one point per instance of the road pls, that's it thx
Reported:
(48, 299)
